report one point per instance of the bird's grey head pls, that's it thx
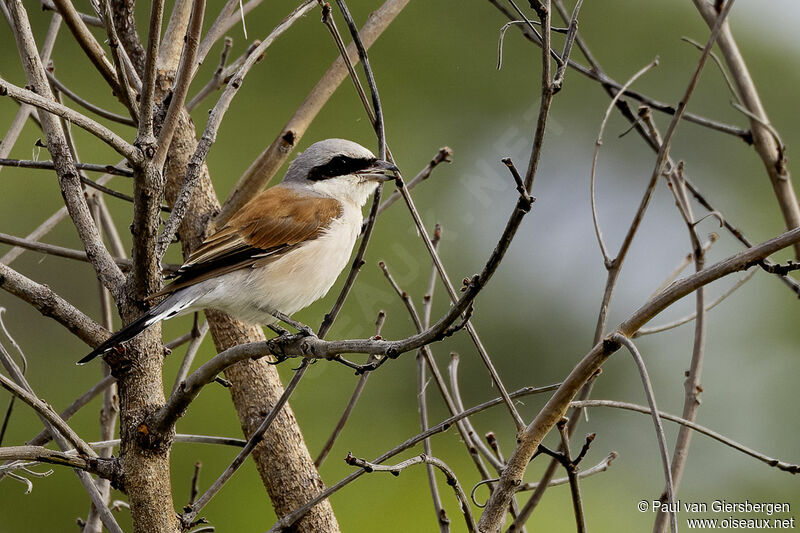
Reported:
(339, 168)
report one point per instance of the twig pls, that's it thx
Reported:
(598, 143)
(44, 437)
(145, 135)
(110, 407)
(191, 512)
(217, 79)
(69, 253)
(49, 165)
(736, 232)
(226, 19)
(572, 33)
(422, 407)
(62, 433)
(183, 438)
(95, 128)
(662, 440)
(427, 307)
(572, 475)
(212, 126)
(47, 413)
(52, 305)
(379, 124)
(197, 336)
(89, 20)
(686, 261)
(272, 158)
(294, 516)
(421, 459)
(688, 318)
(602, 466)
(94, 52)
(359, 388)
(104, 468)
(692, 386)
(720, 66)
(769, 150)
(780, 465)
(195, 479)
(445, 154)
(182, 81)
(330, 23)
(468, 434)
(46, 226)
(128, 84)
(97, 110)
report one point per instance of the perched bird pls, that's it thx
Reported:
(280, 252)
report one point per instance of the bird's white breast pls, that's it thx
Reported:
(289, 283)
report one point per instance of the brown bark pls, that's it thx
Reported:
(145, 463)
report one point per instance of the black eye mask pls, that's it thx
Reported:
(341, 165)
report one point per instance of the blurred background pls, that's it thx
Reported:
(436, 67)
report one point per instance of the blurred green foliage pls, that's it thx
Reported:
(436, 67)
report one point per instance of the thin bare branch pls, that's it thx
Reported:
(445, 154)
(688, 318)
(662, 440)
(102, 467)
(212, 126)
(294, 516)
(270, 160)
(191, 512)
(197, 336)
(69, 253)
(46, 412)
(49, 165)
(598, 143)
(94, 52)
(145, 135)
(359, 388)
(97, 110)
(181, 88)
(95, 128)
(421, 459)
(52, 305)
(129, 82)
(89, 20)
(769, 150)
(780, 465)
(44, 437)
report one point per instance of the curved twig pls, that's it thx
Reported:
(289, 519)
(395, 470)
(598, 143)
(780, 465)
(662, 440)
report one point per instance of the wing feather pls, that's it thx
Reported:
(270, 225)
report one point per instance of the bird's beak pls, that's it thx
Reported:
(380, 171)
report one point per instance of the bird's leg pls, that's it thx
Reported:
(278, 329)
(303, 329)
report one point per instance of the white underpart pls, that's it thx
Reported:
(288, 284)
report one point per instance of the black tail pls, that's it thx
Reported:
(123, 335)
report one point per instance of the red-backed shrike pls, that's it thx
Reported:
(280, 252)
